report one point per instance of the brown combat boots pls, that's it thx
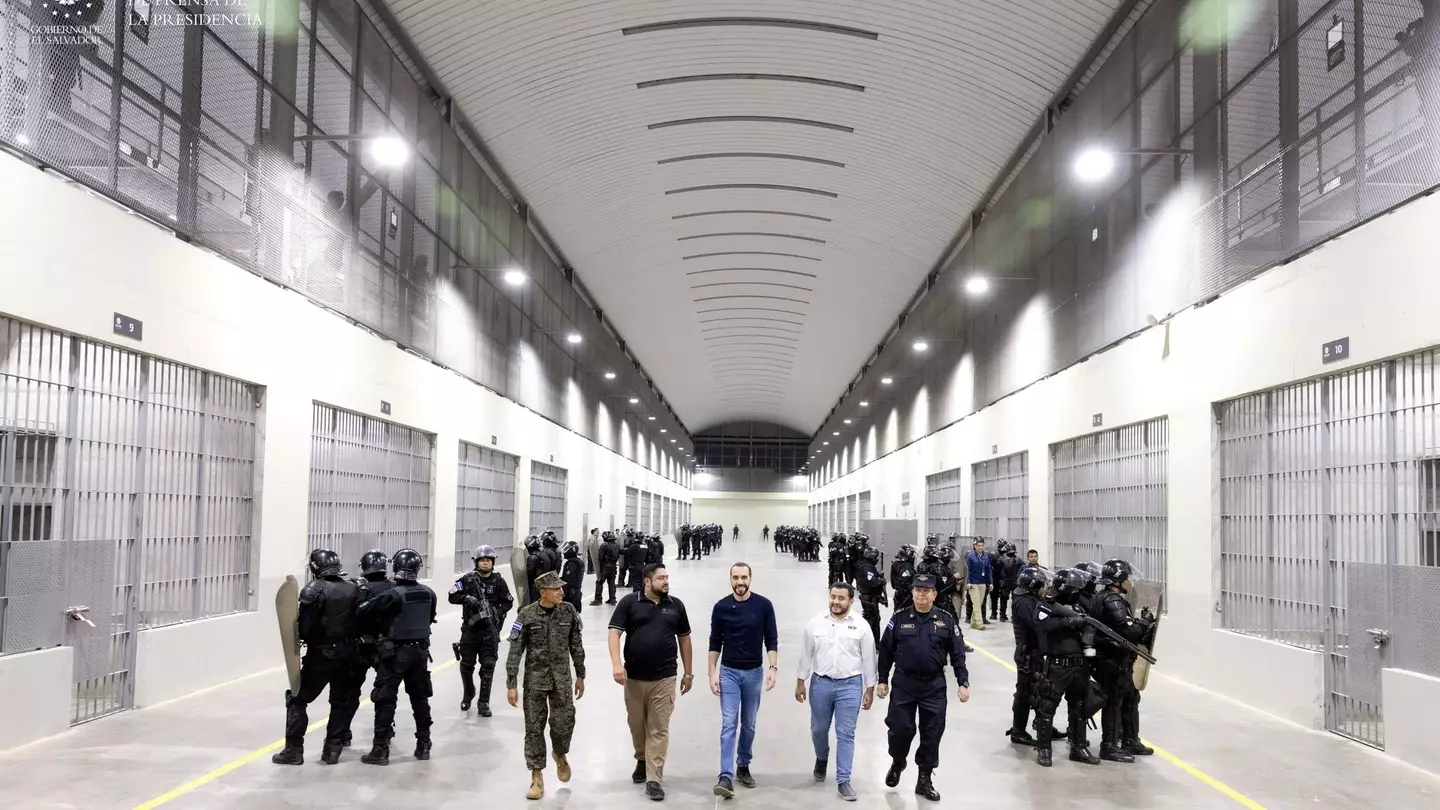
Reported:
(537, 785)
(562, 768)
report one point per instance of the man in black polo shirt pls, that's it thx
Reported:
(654, 624)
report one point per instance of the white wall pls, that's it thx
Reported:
(753, 511)
(70, 260)
(35, 695)
(1410, 736)
(1373, 284)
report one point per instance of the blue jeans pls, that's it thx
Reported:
(739, 703)
(840, 700)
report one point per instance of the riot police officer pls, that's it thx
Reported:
(637, 553)
(1066, 673)
(550, 549)
(1006, 566)
(1029, 655)
(871, 586)
(605, 574)
(836, 559)
(535, 565)
(572, 572)
(330, 629)
(1114, 667)
(374, 565)
(918, 642)
(902, 576)
(486, 599)
(656, 552)
(406, 611)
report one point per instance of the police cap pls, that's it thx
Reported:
(925, 581)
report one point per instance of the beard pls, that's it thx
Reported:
(740, 590)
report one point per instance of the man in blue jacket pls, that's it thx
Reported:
(978, 580)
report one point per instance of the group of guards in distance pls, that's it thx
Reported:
(1077, 639)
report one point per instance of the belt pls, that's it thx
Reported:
(1069, 661)
(828, 678)
(416, 642)
(915, 677)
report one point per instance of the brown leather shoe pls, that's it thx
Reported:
(537, 785)
(562, 768)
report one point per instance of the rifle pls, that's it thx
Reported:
(1097, 626)
(482, 613)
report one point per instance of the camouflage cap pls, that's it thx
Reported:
(549, 579)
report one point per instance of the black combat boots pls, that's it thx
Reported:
(892, 776)
(1042, 756)
(924, 788)
(467, 698)
(1081, 753)
(379, 755)
(422, 747)
(331, 753)
(289, 755)
(638, 777)
(1020, 736)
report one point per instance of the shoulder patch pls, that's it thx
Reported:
(515, 630)
(1042, 613)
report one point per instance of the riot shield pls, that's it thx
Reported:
(592, 555)
(287, 613)
(1143, 594)
(519, 576)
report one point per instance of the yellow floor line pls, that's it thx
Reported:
(245, 760)
(1237, 796)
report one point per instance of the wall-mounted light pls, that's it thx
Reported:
(609, 375)
(864, 403)
(634, 400)
(664, 430)
(920, 346)
(652, 419)
(514, 277)
(1094, 164)
(389, 151)
(573, 338)
(886, 380)
(977, 285)
(827, 444)
(835, 433)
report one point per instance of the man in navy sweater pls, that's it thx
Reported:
(742, 638)
(979, 580)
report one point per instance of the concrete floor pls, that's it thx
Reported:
(211, 750)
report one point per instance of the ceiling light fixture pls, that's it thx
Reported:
(827, 444)
(920, 346)
(634, 400)
(1094, 164)
(389, 151)
(573, 338)
(847, 421)
(977, 285)
(652, 419)
(835, 433)
(664, 430)
(886, 380)
(864, 403)
(609, 375)
(514, 277)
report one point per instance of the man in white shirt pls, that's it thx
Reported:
(837, 661)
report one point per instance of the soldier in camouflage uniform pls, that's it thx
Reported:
(548, 633)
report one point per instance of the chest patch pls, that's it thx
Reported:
(908, 626)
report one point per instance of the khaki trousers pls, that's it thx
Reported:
(648, 705)
(977, 602)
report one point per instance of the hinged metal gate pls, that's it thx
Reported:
(1001, 499)
(1330, 527)
(632, 496)
(548, 486)
(125, 493)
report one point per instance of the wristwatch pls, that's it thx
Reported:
(965, 685)
(774, 667)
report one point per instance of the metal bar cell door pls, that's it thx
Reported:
(942, 503)
(1001, 500)
(485, 503)
(632, 498)
(547, 498)
(370, 485)
(644, 525)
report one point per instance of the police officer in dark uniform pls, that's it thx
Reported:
(1114, 667)
(609, 559)
(374, 565)
(572, 572)
(918, 642)
(1005, 566)
(871, 586)
(1029, 660)
(406, 611)
(637, 554)
(535, 565)
(902, 576)
(550, 549)
(656, 552)
(330, 629)
(684, 544)
(486, 599)
(1066, 673)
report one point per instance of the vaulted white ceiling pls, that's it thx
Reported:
(752, 190)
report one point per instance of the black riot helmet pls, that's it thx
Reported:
(871, 554)
(406, 564)
(608, 537)
(862, 538)
(1092, 572)
(932, 552)
(905, 553)
(549, 540)
(324, 563)
(1068, 585)
(373, 561)
(484, 553)
(532, 544)
(1005, 547)
(570, 549)
(1114, 572)
(1030, 579)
